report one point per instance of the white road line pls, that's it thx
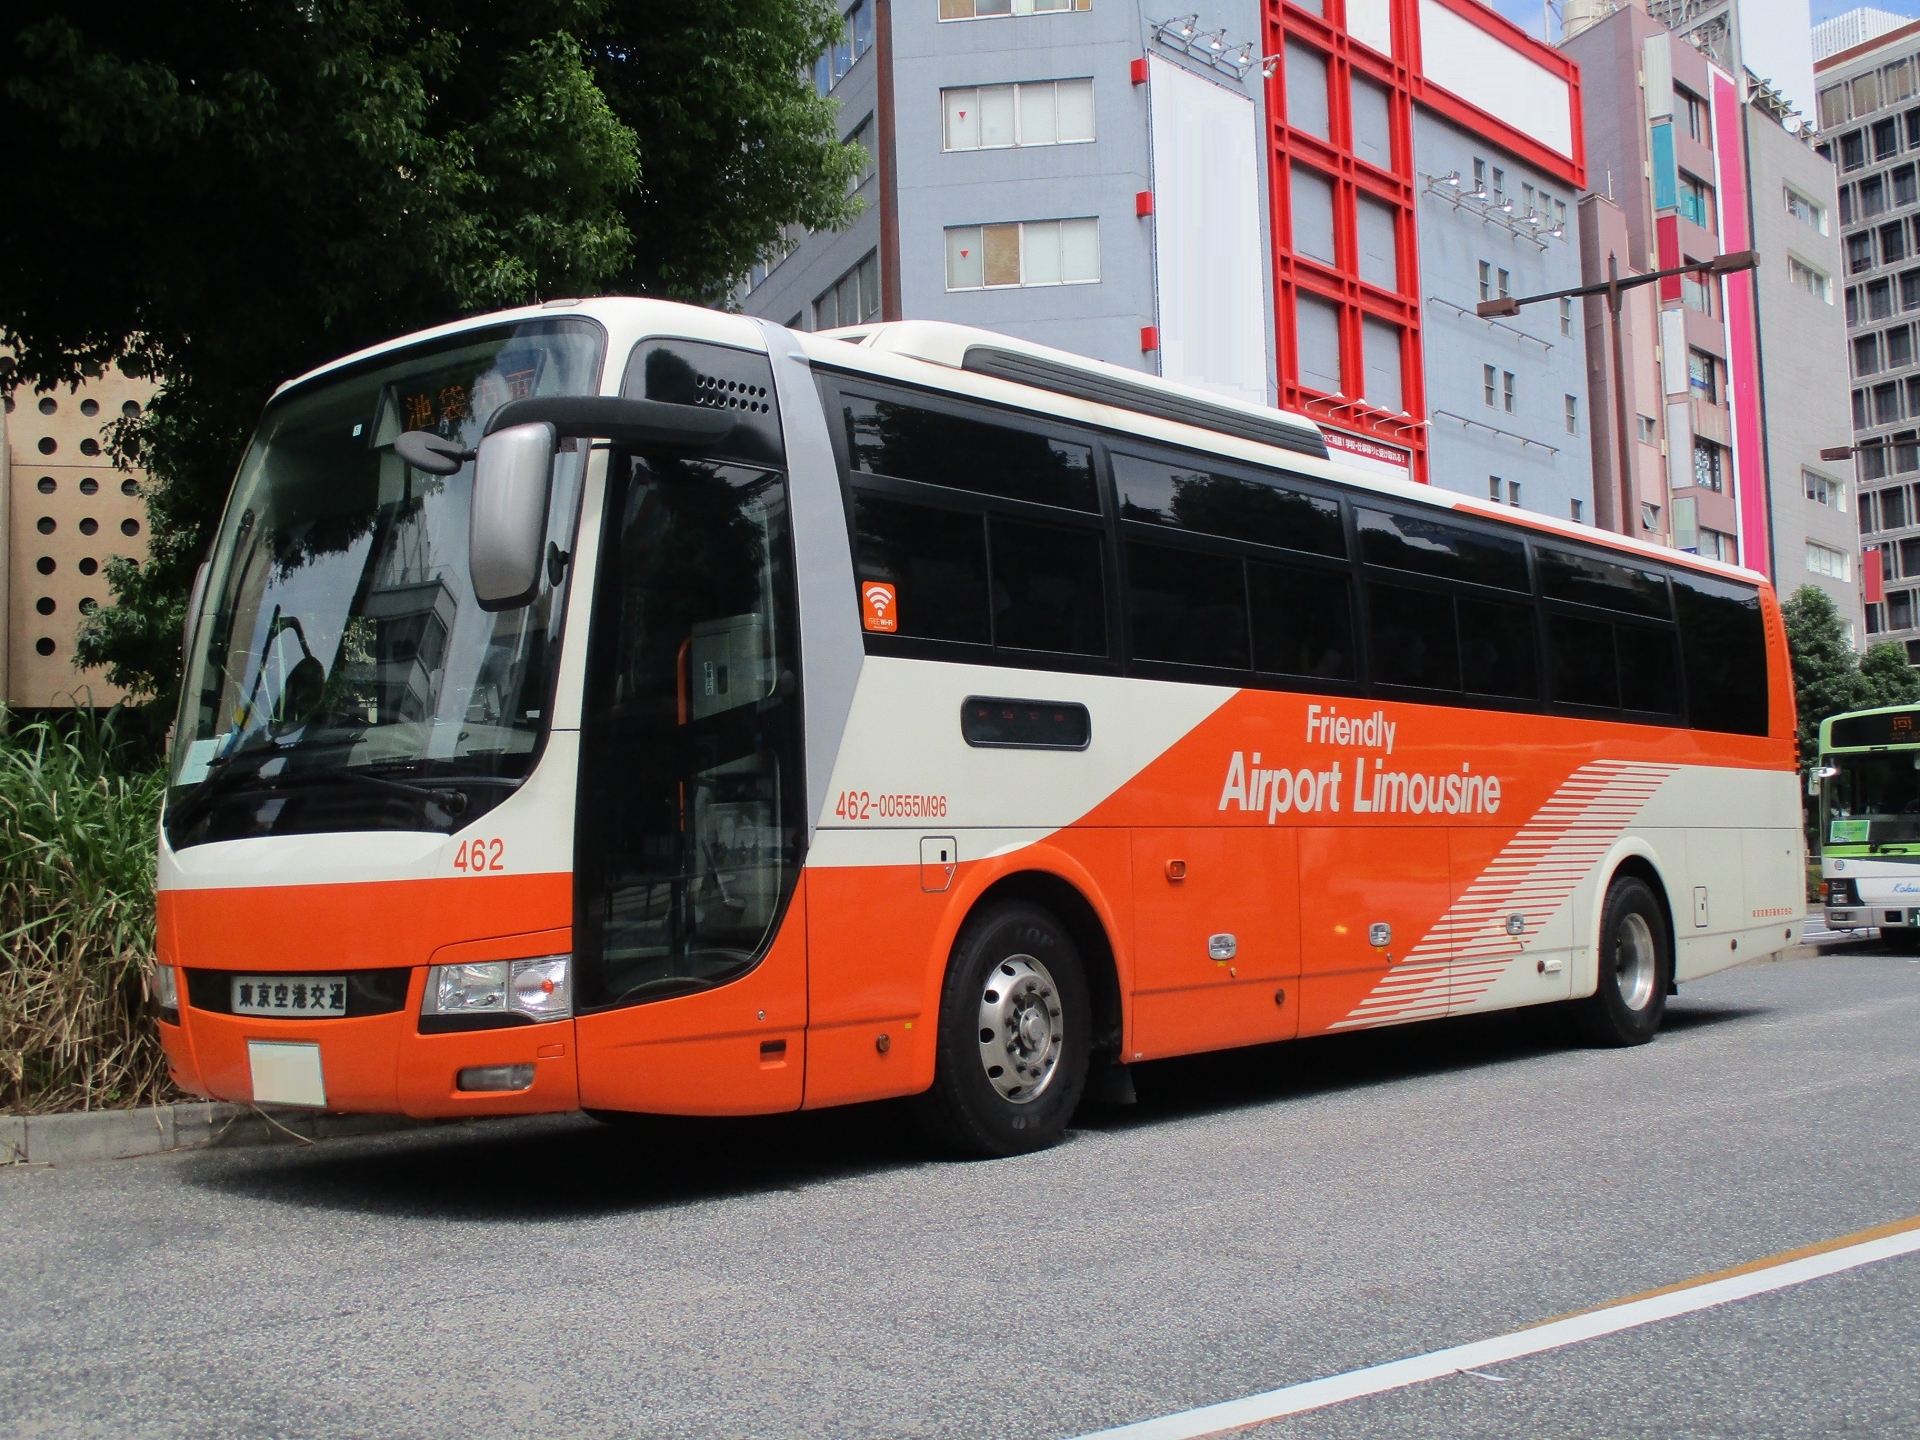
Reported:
(1794, 1268)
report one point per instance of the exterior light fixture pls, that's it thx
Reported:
(1214, 42)
(1535, 219)
(1453, 180)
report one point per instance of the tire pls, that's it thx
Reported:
(1901, 939)
(1636, 968)
(1015, 996)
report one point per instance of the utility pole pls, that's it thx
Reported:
(1614, 289)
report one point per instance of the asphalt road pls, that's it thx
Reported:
(1257, 1219)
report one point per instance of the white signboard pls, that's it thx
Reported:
(1484, 70)
(1207, 234)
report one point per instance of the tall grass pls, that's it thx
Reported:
(77, 822)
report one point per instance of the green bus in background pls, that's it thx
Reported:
(1868, 791)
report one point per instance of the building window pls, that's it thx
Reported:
(1886, 404)
(1900, 610)
(1825, 560)
(1317, 340)
(1042, 112)
(1910, 290)
(1807, 211)
(1879, 295)
(1708, 469)
(1505, 283)
(1886, 134)
(1649, 517)
(1853, 151)
(1649, 430)
(1480, 190)
(1031, 252)
(1691, 112)
(1866, 355)
(992, 9)
(1803, 275)
(1513, 492)
(1499, 185)
(1697, 291)
(855, 296)
(1575, 512)
(1696, 200)
(1490, 384)
(856, 38)
(1899, 347)
(1573, 414)
(1893, 242)
(1506, 391)
(1703, 376)
(1312, 213)
(1904, 189)
(1873, 197)
(869, 164)
(1833, 107)
(1859, 253)
(1566, 315)
(1306, 89)
(1717, 545)
(1493, 488)
(1486, 281)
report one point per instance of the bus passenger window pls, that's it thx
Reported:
(1258, 511)
(1430, 546)
(1580, 663)
(1410, 634)
(1187, 608)
(1048, 589)
(1496, 649)
(1724, 641)
(1649, 672)
(911, 442)
(1302, 622)
(1590, 580)
(936, 561)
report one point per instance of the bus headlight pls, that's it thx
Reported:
(536, 988)
(166, 992)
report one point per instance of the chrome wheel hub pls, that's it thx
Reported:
(1021, 1035)
(1633, 963)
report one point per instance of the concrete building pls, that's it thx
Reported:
(1666, 145)
(1869, 105)
(67, 510)
(1290, 205)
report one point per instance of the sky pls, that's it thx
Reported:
(1528, 14)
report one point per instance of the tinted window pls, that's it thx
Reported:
(1580, 663)
(1240, 509)
(1302, 622)
(936, 560)
(1407, 541)
(1048, 589)
(1724, 641)
(1649, 669)
(1410, 634)
(1496, 648)
(885, 437)
(1185, 608)
(1589, 580)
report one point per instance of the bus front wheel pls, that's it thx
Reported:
(1014, 1035)
(1636, 967)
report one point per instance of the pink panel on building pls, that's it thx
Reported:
(1743, 357)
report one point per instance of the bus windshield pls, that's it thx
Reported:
(341, 674)
(1872, 799)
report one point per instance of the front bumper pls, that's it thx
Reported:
(1864, 915)
(381, 1064)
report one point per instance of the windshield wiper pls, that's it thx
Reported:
(454, 802)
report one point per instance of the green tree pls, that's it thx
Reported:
(1828, 679)
(224, 195)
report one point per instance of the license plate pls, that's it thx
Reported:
(286, 1074)
(290, 997)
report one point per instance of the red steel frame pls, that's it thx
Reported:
(1351, 176)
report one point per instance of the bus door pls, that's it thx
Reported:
(689, 924)
(1216, 943)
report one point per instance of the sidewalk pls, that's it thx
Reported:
(117, 1134)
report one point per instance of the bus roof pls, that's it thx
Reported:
(933, 353)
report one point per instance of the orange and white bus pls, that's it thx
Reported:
(623, 706)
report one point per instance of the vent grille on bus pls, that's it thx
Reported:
(1063, 379)
(719, 394)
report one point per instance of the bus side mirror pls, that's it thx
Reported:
(1819, 773)
(512, 474)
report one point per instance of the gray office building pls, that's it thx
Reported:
(1870, 128)
(1309, 228)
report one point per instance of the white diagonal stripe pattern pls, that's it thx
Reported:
(1534, 874)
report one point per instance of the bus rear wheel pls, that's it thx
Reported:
(1014, 1035)
(1636, 968)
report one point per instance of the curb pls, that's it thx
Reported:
(119, 1134)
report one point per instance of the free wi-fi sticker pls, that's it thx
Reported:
(877, 607)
